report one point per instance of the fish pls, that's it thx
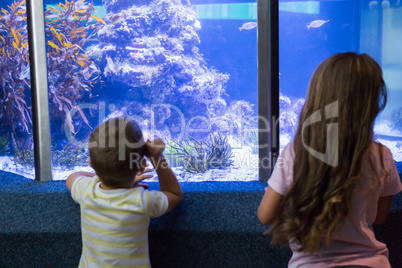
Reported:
(316, 23)
(248, 25)
(116, 17)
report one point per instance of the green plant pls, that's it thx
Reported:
(23, 151)
(171, 153)
(251, 139)
(72, 154)
(200, 156)
(4, 145)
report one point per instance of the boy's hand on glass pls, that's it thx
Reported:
(141, 175)
(155, 149)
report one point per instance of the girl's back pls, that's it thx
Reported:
(353, 242)
(341, 181)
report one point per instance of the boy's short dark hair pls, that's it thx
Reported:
(116, 148)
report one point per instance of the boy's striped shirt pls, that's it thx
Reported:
(114, 223)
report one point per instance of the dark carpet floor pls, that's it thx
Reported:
(215, 226)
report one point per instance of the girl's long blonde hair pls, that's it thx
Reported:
(320, 197)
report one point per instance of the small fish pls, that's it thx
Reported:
(248, 25)
(316, 23)
(116, 17)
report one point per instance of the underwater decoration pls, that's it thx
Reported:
(149, 49)
(15, 114)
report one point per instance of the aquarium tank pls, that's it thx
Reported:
(187, 71)
(311, 31)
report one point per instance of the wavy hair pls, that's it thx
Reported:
(320, 197)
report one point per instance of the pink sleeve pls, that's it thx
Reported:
(282, 177)
(392, 183)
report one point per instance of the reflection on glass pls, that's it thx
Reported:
(16, 141)
(187, 73)
(311, 31)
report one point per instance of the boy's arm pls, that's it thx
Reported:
(167, 182)
(70, 179)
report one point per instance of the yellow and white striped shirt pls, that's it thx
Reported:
(114, 223)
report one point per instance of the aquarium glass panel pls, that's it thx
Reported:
(16, 139)
(187, 71)
(311, 31)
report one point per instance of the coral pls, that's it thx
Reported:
(15, 115)
(150, 47)
(199, 156)
(69, 27)
(236, 120)
(288, 118)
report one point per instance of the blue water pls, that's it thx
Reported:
(232, 51)
(228, 50)
(301, 50)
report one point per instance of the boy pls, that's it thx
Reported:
(115, 210)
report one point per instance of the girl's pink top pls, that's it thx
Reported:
(354, 242)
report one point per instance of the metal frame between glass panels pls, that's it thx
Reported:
(39, 90)
(268, 86)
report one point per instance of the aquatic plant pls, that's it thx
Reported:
(4, 145)
(251, 140)
(23, 151)
(74, 153)
(171, 153)
(200, 156)
(69, 27)
(15, 115)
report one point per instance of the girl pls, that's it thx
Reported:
(324, 205)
